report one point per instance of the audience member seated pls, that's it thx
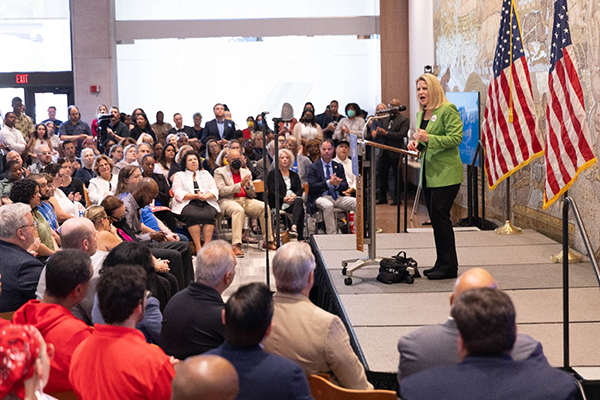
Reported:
(329, 121)
(195, 196)
(212, 153)
(67, 280)
(175, 166)
(180, 129)
(327, 188)
(258, 144)
(19, 269)
(232, 145)
(13, 174)
(341, 157)
(158, 148)
(75, 129)
(260, 164)
(39, 138)
(86, 172)
(172, 139)
(177, 252)
(161, 128)
(248, 319)
(186, 331)
(237, 198)
(10, 136)
(305, 333)
(163, 200)
(104, 183)
(72, 187)
(115, 362)
(116, 154)
(205, 378)
(313, 150)
(301, 162)
(129, 158)
(25, 363)
(166, 159)
(487, 329)
(44, 157)
(142, 126)
(138, 255)
(70, 153)
(27, 191)
(45, 208)
(59, 199)
(307, 128)
(435, 345)
(78, 234)
(289, 192)
(117, 129)
(352, 124)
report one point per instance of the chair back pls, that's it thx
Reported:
(259, 186)
(64, 395)
(7, 315)
(322, 389)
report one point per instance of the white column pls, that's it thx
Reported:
(94, 55)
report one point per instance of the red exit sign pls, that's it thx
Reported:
(22, 78)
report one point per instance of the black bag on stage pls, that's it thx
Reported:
(398, 268)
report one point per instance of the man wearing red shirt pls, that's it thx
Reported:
(115, 362)
(67, 279)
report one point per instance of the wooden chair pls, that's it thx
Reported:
(322, 389)
(7, 315)
(64, 395)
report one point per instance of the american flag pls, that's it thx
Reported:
(568, 143)
(509, 126)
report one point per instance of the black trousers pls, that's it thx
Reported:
(439, 203)
(180, 260)
(297, 211)
(386, 161)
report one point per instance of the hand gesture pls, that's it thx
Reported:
(158, 236)
(334, 181)
(412, 145)
(246, 180)
(421, 135)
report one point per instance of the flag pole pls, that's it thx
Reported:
(508, 228)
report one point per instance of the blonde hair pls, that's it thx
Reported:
(95, 214)
(289, 154)
(437, 97)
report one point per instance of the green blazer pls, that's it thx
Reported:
(440, 157)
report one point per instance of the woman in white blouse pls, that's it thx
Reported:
(352, 124)
(195, 196)
(105, 182)
(307, 128)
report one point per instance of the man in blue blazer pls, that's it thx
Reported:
(247, 318)
(326, 184)
(221, 129)
(487, 331)
(19, 269)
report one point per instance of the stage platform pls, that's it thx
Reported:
(377, 314)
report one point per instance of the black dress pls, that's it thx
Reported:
(198, 212)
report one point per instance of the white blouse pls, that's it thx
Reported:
(355, 127)
(183, 183)
(100, 188)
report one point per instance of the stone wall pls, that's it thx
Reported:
(465, 34)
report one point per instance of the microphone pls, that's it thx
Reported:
(265, 112)
(392, 110)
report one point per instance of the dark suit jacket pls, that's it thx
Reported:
(20, 275)
(263, 375)
(397, 129)
(490, 378)
(192, 322)
(435, 346)
(317, 184)
(211, 130)
(296, 187)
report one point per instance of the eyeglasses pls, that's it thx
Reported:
(34, 224)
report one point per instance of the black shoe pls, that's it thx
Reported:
(428, 271)
(443, 273)
(394, 202)
(381, 201)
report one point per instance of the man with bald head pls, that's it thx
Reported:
(435, 345)
(390, 131)
(177, 252)
(79, 234)
(237, 197)
(205, 377)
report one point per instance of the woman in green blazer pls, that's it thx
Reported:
(439, 134)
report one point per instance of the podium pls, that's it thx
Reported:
(364, 220)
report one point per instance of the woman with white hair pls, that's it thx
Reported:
(105, 182)
(129, 157)
(86, 172)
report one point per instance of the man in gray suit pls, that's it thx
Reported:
(435, 346)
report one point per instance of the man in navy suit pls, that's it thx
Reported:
(221, 129)
(247, 318)
(326, 186)
(19, 269)
(487, 331)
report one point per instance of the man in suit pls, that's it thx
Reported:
(391, 131)
(487, 328)
(185, 331)
(237, 197)
(247, 318)
(223, 130)
(205, 378)
(327, 184)
(19, 269)
(434, 346)
(305, 333)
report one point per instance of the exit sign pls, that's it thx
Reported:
(22, 78)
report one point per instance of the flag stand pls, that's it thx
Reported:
(508, 228)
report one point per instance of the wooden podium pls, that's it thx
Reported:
(364, 220)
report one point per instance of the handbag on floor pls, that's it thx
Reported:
(398, 268)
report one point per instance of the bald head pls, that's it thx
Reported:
(205, 377)
(395, 103)
(145, 192)
(79, 233)
(474, 278)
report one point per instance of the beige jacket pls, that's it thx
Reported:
(315, 339)
(227, 189)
